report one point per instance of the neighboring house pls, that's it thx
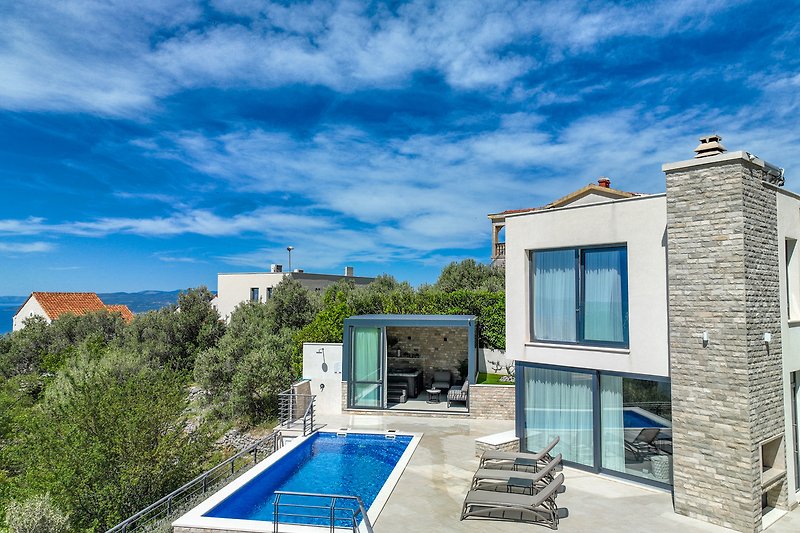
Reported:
(659, 335)
(236, 288)
(51, 305)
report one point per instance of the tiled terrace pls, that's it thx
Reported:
(429, 495)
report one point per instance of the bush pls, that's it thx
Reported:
(37, 514)
(108, 439)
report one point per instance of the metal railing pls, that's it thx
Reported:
(295, 410)
(316, 514)
(154, 516)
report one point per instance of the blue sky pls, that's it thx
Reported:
(150, 145)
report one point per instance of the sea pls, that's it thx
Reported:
(7, 312)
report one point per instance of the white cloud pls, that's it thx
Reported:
(122, 58)
(25, 247)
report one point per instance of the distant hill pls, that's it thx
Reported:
(139, 302)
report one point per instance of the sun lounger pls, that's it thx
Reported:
(490, 479)
(539, 508)
(518, 460)
(642, 444)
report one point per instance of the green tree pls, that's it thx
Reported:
(470, 275)
(26, 348)
(250, 365)
(174, 335)
(108, 439)
(290, 306)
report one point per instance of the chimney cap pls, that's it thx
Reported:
(710, 145)
(604, 182)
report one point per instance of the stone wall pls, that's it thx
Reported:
(726, 393)
(428, 349)
(492, 401)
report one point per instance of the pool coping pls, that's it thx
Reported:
(194, 519)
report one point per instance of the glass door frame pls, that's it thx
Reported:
(382, 364)
(598, 468)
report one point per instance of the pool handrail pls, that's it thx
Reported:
(131, 523)
(365, 521)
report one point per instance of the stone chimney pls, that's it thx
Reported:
(348, 271)
(604, 182)
(723, 295)
(711, 145)
(275, 268)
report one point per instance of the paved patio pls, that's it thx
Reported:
(430, 493)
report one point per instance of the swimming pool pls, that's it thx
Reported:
(362, 464)
(636, 417)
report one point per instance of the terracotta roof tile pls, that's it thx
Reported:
(56, 304)
(122, 309)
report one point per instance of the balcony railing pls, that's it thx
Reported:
(499, 249)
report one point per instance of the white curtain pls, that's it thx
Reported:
(612, 430)
(559, 403)
(554, 294)
(603, 294)
(366, 367)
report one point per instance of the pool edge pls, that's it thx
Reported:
(194, 519)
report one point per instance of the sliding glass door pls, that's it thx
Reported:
(367, 380)
(616, 423)
(559, 403)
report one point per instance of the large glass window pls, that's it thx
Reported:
(554, 295)
(792, 280)
(580, 295)
(559, 404)
(607, 422)
(636, 427)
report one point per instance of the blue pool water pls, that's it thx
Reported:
(358, 465)
(632, 419)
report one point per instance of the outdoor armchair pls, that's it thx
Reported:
(458, 393)
(441, 380)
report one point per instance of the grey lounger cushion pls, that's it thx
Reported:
(539, 508)
(504, 460)
(491, 479)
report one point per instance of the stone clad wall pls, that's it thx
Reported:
(435, 353)
(727, 395)
(492, 401)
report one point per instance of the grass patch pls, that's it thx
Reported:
(485, 378)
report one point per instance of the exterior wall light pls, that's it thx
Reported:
(767, 337)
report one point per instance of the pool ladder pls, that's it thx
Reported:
(313, 513)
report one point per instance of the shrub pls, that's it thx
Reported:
(37, 514)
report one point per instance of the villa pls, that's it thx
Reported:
(656, 335)
(659, 335)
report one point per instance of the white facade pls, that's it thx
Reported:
(29, 309)
(789, 234)
(638, 223)
(236, 288)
